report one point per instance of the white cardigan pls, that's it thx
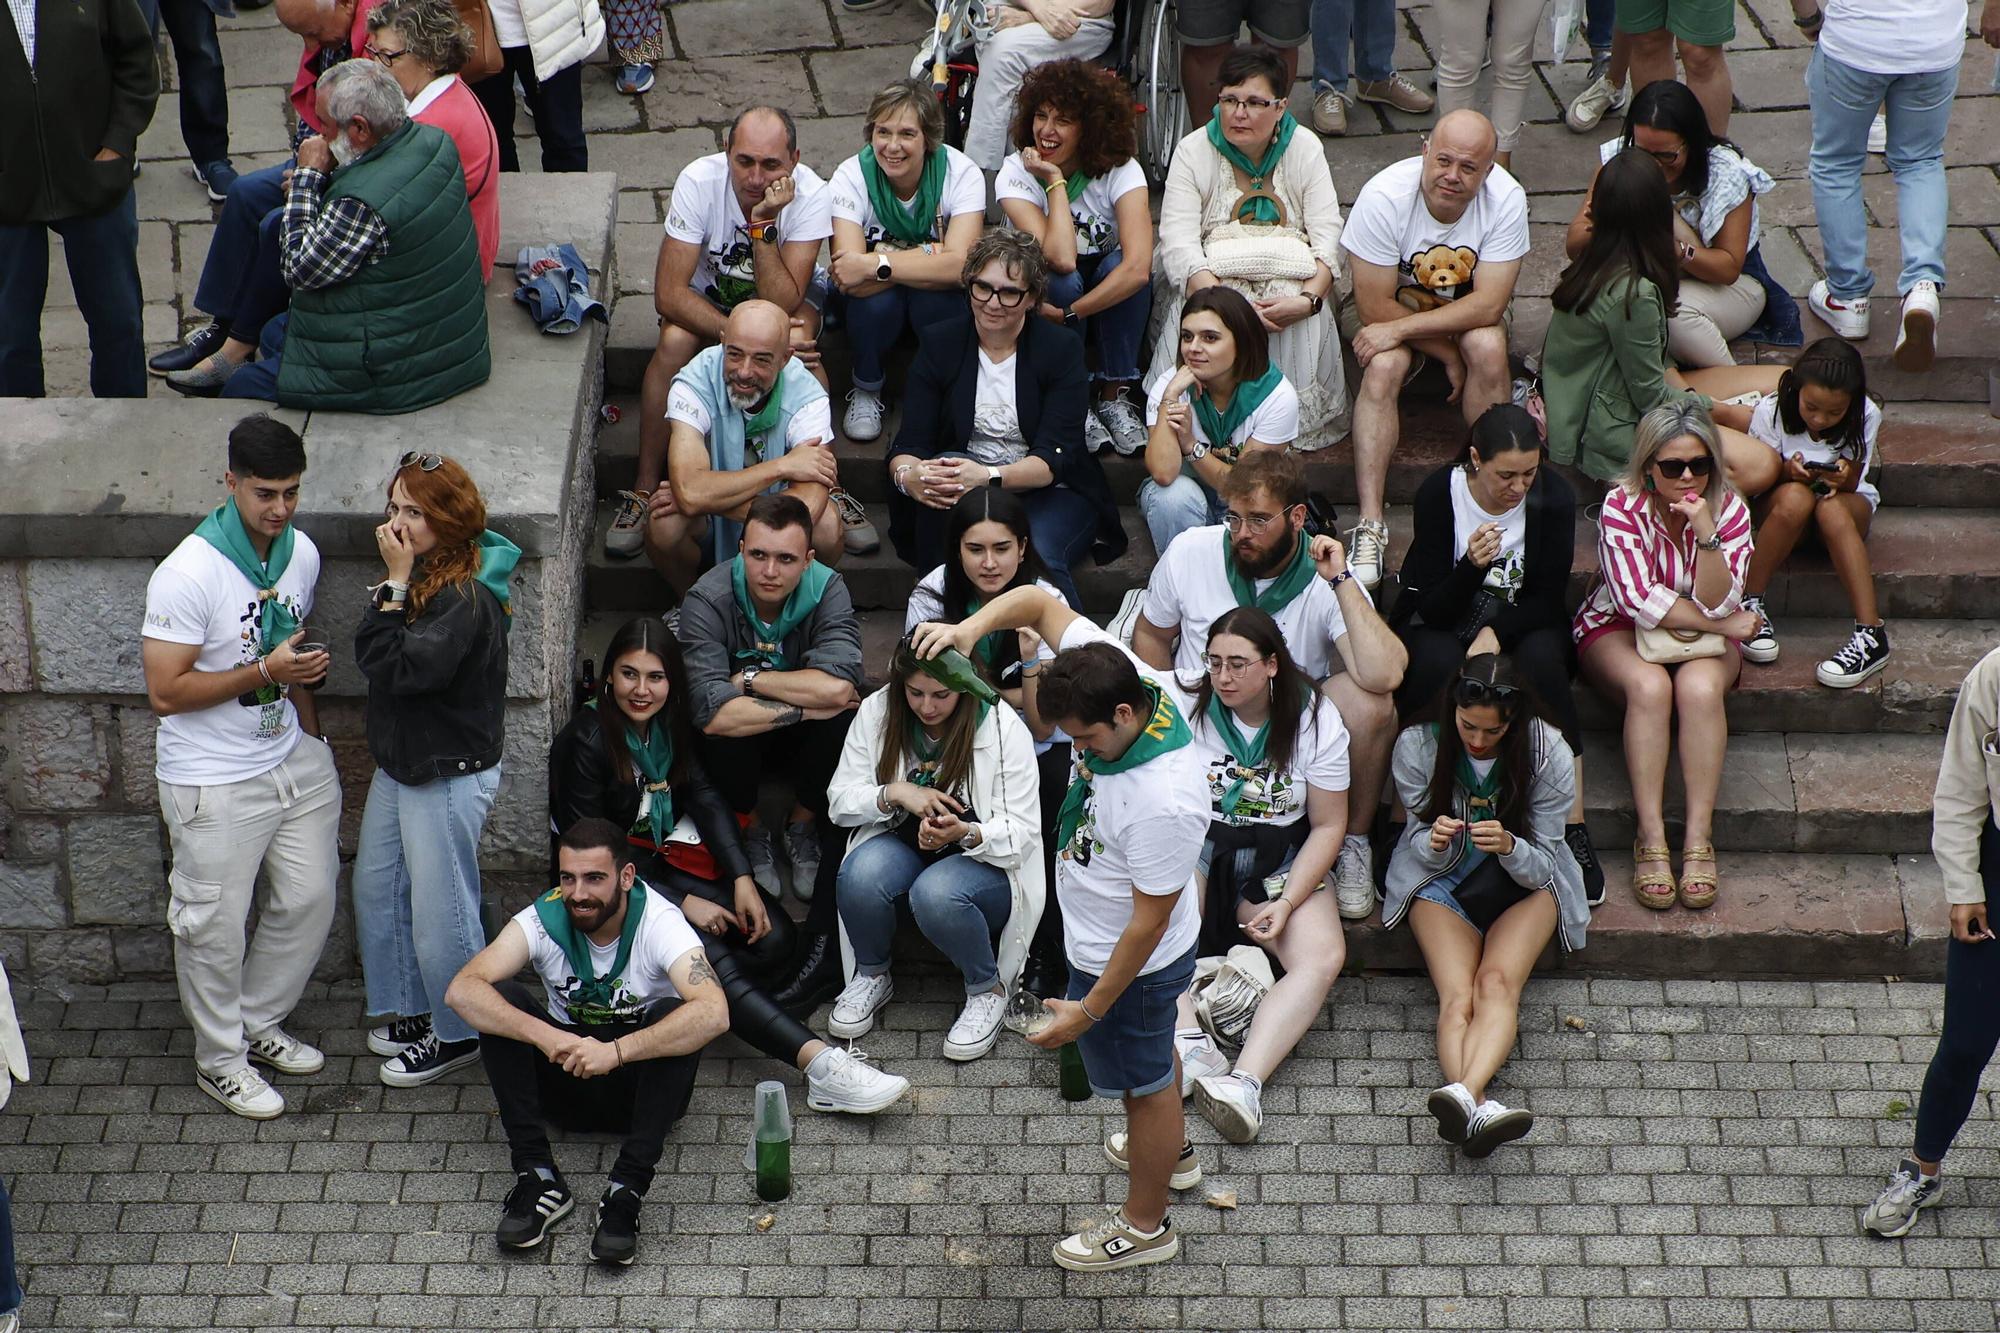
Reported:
(1005, 791)
(1202, 194)
(14, 1053)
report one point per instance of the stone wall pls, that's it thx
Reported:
(97, 492)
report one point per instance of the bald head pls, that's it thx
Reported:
(1458, 156)
(756, 342)
(323, 22)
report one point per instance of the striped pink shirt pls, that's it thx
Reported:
(1643, 569)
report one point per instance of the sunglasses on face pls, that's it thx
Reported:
(1676, 468)
(1469, 693)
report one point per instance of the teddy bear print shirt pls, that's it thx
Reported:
(1391, 226)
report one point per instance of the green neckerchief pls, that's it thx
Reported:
(767, 415)
(988, 649)
(1076, 184)
(1478, 789)
(1220, 427)
(591, 1001)
(912, 224)
(1248, 754)
(1166, 732)
(1283, 588)
(497, 558)
(223, 529)
(653, 759)
(1261, 210)
(770, 647)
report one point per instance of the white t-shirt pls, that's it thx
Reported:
(1895, 36)
(1509, 569)
(964, 192)
(664, 938)
(1141, 829)
(706, 212)
(1273, 798)
(1095, 214)
(1275, 421)
(1190, 589)
(996, 438)
(814, 421)
(1391, 226)
(1767, 425)
(197, 596)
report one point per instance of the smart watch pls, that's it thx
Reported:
(882, 269)
(992, 476)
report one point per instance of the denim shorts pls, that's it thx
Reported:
(1129, 1052)
(1246, 889)
(1439, 894)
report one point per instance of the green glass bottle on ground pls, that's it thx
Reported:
(1070, 1074)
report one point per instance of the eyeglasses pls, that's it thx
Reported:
(1676, 468)
(385, 57)
(1470, 693)
(1236, 522)
(1008, 297)
(428, 462)
(1667, 157)
(1230, 666)
(1230, 102)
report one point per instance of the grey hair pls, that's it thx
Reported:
(1683, 417)
(365, 89)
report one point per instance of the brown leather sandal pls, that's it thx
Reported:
(1698, 875)
(1653, 888)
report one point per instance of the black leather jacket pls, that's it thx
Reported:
(437, 685)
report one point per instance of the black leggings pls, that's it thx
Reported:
(1053, 766)
(1971, 1032)
(807, 753)
(743, 970)
(1544, 656)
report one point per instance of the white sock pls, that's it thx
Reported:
(1190, 1036)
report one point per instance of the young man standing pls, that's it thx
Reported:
(630, 1000)
(245, 778)
(1129, 840)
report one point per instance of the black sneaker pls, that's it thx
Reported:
(391, 1038)
(537, 1202)
(1578, 838)
(189, 352)
(428, 1059)
(617, 1237)
(1866, 653)
(815, 980)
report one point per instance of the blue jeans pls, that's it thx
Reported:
(1369, 24)
(254, 195)
(103, 257)
(1844, 101)
(10, 1286)
(198, 63)
(1117, 330)
(1598, 23)
(960, 904)
(1171, 510)
(875, 322)
(259, 379)
(1063, 525)
(416, 892)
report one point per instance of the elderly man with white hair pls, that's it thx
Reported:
(388, 308)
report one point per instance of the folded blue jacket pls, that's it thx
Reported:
(554, 283)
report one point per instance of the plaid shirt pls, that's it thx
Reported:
(24, 26)
(322, 243)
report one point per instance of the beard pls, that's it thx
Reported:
(1268, 563)
(343, 151)
(746, 400)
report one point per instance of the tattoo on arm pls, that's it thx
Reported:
(700, 973)
(782, 714)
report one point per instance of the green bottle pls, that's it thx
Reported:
(955, 669)
(1070, 1074)
(774, 1143)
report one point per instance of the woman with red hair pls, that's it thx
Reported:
(433, 646)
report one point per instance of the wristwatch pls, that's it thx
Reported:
(750, 681)
(992, 476)
(1200, 450)
(1709, 543)
(1072, 320)
(763, 231)
(1318, 303)
(970, 839)
(882, 269)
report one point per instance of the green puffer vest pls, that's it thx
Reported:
(409, 330)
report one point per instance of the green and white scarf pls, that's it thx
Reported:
(1164, 732)
(592, 1000)
(223, 529)
(771, 635)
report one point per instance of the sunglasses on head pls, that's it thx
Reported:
(1470, 693)
(1675, 468)
(428, 462)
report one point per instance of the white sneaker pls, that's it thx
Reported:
(763, 859)
(1121, 416)
(1199, 1059)
(977, 1028)
(1232, 1104)
(863, 421)
(1847, 318)
(285, 1053)
(857, 535)
(1916, 338)
(1096, 437)
(1354, 879)
(1368, 552)
(1592, 104)
(627, 534)
(1763, 645)
(838, 1080)
(244, 1092)
(1187, 1170)
(855, 1008)
(1878, 133)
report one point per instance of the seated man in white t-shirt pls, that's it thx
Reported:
(629, 1000)
(1434, 244)
(1260, 555)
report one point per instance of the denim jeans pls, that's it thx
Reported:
(1369, 24)
(557, 104)
(259, 379)
(875, 322)
(1117, 330)
(10, 1285)
(254, 195)
(416, 892)
(1599, 23)
(261, 293)
(1844, 101)
(103, 257)
(198, 63)
(1171, 510)
(960, 904)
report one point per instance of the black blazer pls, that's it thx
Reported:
(1439, 589)
(1053, 394)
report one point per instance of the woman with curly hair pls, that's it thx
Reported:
(433, 646)
(1027, 34)
(1083, 196)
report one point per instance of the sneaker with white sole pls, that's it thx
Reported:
(1848, 319)
(428, 1060)
(857, 534)
(1916, 336)
(1453, 1108)
(391, 1038)
(1232, 1103)
(854, 1009)
(1127, 424)
(763, 857)
(1187, 1169)
(1199, 1059)
(1878, 133)
(1368, 552)
(537, 1202)
(1396, 92)
(1492, 1125)
(1096, 436)
(802, 850)
(1113, 1243)
(1354, 879)
(1865, 653)
(244, 1092)
(863, 421)
(977, 1026)
(1761, 646)
(1895, 1209)
(616, 1240)
(843, 1080)
(1598, 99)
(1577, 837)
(627, 535)
(285, 1053)
(1329, 113)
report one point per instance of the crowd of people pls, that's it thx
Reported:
(1156, 825)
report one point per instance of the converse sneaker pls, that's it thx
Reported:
(763, 859)
(843, 1080)
(1396, 92)
(1848, 318)
(1127, 424)
(1368, 552)
(857, 534)
(863, 421)
(1329, 113)
(802, 850)
(855, 1009)
(1598, 98)
(1453, 1109)
(1492, 1125)
(285, 1053)
(244, 1092)
(1761, 646)
(1577, 837)
(1199, 1057)
(1865, 653)
(1187, 1170)
(1354, 879)
(616, 1240)
(627, 534)
(391, 1038)
(1895, 1209)
(1114, 1243)
(427, 1060)
(977, 1028)
(1096, 436)
(1233, 1103)
(537, 1202)
(1916, 336)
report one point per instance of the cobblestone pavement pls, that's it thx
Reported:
(1702, 1152)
